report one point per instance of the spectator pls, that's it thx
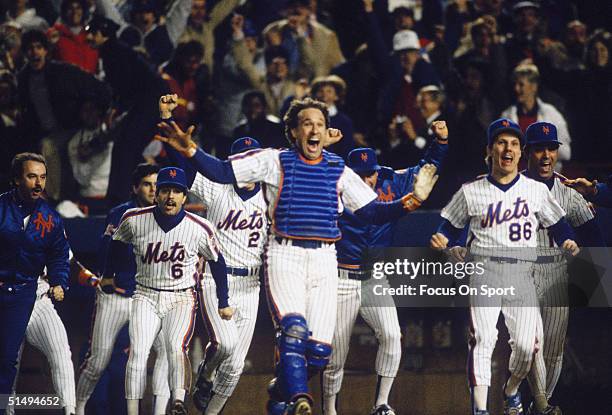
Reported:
(275, 84)
(70, 38)
(529, 108)
(407, 143)
(90, 158)
(137, 88)
(25, 18)
(234, 81)
(331, 90)
(10, 127)
(488, 49)
(159, 38)
(597, 101)
(11, 58)
(575, 44)
(258, 123)
(202, 23)
(190, 80)
(522, 43)
(50, 95)
(313, 49)
(457, 15)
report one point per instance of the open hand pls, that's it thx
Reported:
(424, 181)
(583, 186)
(178, 139)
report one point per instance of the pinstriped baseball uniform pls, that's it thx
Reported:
(47, 333)
(165, 298)
(551, 281)
(111, 313)
(503, 222)
(299, 280)
(240, 219)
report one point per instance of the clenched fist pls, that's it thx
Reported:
(571, 247)
(226, 313)
(440, 129)
(167, 104)
(333, 136)
(425, 181)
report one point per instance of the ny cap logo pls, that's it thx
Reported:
(505, 123)
(364, 157)
(248, 142)
(545, 129)
(173, 173)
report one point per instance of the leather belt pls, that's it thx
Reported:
(166, 290)
(302, 243)
(243, 272)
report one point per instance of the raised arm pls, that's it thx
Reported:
(176, 19)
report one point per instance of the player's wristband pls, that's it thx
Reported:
(410, 202)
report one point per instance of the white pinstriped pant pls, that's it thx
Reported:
(112, 312)
(382, 319)
(172, 316)
(47, 333)
(303, 281)
(230, 339)
(551, 281)
(521, 315)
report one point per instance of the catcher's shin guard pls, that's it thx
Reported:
(291, 368)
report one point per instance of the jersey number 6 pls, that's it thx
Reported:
(515, 231)
(177, 271)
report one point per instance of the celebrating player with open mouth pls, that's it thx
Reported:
(307, 189)
(504, 210)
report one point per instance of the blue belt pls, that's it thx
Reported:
(302, 243)
(549, 259)
(242, 272)
(504, 260)
(179, 290)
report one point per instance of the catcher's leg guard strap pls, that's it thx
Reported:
(291, 370)
(317, 354)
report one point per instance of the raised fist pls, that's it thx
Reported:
(440, 129)
(167, 104)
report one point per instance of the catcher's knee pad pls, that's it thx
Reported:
(291, 370)
(317, 354)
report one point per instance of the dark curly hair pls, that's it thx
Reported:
(291, 116)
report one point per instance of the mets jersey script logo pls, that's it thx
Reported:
(43, 225)
(153, 254)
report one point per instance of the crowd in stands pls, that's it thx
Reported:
(80, 79)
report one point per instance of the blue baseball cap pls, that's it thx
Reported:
(363, 159)
(172, 176)
(503, 125)
(244, 144)
(541, 134)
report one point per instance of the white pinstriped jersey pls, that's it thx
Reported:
(499, 218)
(264, 166)
(241, 224)
(167, 260)
(577, 209)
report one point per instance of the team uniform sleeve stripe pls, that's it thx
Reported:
(202, 224)
(135, 212)
(245, 154)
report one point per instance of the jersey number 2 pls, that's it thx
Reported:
(253, 239)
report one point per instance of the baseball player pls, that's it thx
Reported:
(114, 302)
(306, 189)
(166, 242)
(504, 210)
(32, 236)
(357, 237)
(550, 270)
(241, 224)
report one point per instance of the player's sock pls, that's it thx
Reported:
(132, 406)
(69, 410)
(216, 404)
(160, 404)
(179, 394)
(383, 388)
(80, 407)
(540, 402)
(512, 386)
(479, 395)
(329, 405)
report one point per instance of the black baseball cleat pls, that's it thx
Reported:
(202, 391)
(178, 408)
(549, 410)
(383, 409)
